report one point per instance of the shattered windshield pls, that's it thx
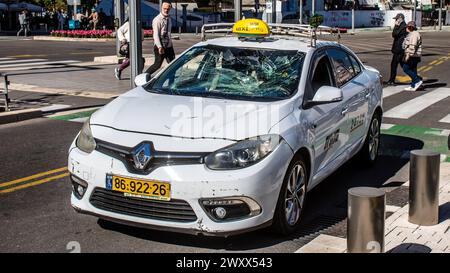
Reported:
(226, 72)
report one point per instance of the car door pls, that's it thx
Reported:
(325, 121)
(354, 89)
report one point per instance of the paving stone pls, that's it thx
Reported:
(325, 244)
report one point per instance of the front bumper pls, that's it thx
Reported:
(190, 183)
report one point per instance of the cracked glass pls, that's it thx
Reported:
(235, 73)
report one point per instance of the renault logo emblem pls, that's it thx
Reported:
(141, 156)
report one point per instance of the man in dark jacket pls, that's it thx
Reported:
(399, 33)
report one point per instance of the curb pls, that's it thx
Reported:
(74, 108)
(19, 115)
(389, 29)
(48, 90)
(68, 39)
(113, 59)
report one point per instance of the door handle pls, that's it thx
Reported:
(367, 94)
(344, 111)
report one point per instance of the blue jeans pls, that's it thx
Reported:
(410, 68)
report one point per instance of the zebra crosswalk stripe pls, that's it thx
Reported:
(14, 61)
(446, 119)
(414, 106)
(392, 90)
(38, 63)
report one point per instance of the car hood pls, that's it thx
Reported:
(190, 117)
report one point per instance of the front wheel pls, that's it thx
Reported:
(291, 199)
(369, 152)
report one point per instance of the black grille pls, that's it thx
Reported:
(173, 210)
(158, 158)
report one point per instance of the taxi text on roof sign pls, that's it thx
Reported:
(251, 27)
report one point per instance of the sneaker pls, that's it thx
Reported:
(409, 88)
(117, 73)
(391, 83)
(417, 85)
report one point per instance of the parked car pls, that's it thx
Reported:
(229, 137)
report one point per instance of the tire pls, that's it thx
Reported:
(369, 152)
(286, 221)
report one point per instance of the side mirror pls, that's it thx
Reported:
(325, 95)
(141, 79)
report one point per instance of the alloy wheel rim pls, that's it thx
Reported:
(295, 194)
(374, 139)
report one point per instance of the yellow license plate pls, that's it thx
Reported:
(138, 187)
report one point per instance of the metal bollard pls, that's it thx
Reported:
(365, 222)
(179, 30)
(424, 187)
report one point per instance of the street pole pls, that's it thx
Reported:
(274, 11)
(313, 11)
(74, 17)
(440, 15)
(135, 40)
(118, 21)
(237, 10)
(301, 12)
(176, 14)
(414, 11)
(353, 18)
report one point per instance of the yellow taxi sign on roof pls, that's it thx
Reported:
(251, 27)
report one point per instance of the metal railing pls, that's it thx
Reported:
(4, 92)
(293, 30)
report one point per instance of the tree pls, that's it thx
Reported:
(51, 4)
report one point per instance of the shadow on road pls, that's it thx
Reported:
(410, 248)
(325, 210)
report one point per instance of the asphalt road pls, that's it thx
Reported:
(11, 47)
(37, 216)
(372, 47)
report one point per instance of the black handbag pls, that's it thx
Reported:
(124, 49)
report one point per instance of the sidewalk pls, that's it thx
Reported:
(82, 79)
(402, 236)
(389, 29)
(29, 105)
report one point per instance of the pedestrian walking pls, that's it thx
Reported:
(24, 23)
(123, 34)
(163, 47)
(412, 46)
(399, 33)
(61, 19)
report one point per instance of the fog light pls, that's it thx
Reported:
(230, 208)
(80, 190)
(220, 212)
(79, 186)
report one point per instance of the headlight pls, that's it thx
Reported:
(85, 140)
(243, 154)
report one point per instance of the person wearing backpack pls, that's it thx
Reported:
(411, 58)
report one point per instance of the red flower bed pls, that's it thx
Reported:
(91, 33)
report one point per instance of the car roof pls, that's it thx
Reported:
(283, 43)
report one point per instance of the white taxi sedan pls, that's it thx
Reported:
(229, 137)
